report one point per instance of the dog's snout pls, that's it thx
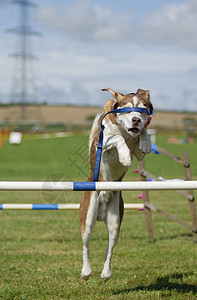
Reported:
(136, 121)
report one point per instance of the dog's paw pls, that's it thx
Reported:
(106, 275)
(85, 273)
(145, 146)
(125, 157)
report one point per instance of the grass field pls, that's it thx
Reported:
(41, 251)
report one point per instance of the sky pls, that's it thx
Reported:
(87, 45)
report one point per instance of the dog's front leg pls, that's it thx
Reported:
(119, 143)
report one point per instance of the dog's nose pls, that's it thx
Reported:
(136, 121)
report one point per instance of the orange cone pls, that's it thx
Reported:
(5, 134)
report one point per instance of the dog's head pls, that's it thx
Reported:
(132, 122)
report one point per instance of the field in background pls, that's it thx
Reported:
(41, 251)
(69, 118)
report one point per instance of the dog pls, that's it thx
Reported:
(125, 135)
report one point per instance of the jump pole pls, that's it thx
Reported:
(97, 186)
(55, 206)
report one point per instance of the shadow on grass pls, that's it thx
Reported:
(192, 236)
(167, 283)
(188, 234)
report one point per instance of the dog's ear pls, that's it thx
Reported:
(146, 95)
(150, 108)
(118, 96)
(143, 93)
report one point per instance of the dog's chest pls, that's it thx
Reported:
(111, 166)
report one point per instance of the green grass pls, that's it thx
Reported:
(41, 251)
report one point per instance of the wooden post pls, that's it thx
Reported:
(147, 209)
(191, 193)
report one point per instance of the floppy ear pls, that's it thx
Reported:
(143, 93)
(118, 96)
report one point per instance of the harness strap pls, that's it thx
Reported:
(102, 127)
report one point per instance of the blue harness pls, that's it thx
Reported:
(102, 127)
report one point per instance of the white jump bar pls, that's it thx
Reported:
(61, 206)
(97, 186)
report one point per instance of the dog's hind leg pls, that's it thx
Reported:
(88, 215)
(113, 221)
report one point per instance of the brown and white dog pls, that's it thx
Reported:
(124, 136)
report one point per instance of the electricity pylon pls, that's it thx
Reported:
(23, 89)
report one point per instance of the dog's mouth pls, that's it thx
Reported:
(133, 130)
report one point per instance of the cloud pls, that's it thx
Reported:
(172, 24)
(85, 21)
(76, 94)
(3, 2)
(169, 99)
(75, 73)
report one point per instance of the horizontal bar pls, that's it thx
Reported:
(23, 206)
(97, 186)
